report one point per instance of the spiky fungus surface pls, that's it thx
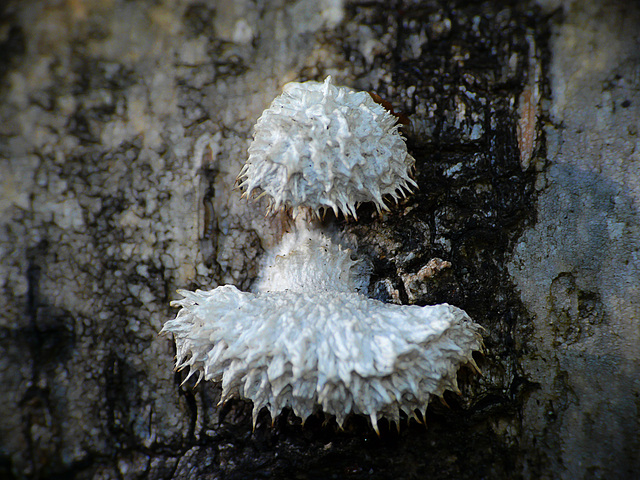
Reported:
(308, 261)
(307, 338)
(325, 147)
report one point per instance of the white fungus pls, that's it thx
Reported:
(325, 147)
(307, 336)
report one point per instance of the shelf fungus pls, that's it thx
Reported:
(307, 336)
(326, 147)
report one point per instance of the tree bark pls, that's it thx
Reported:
(123, 128)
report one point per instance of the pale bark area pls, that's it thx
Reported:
(122, 128)
(578, 267)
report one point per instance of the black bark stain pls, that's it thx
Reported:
(12, 44)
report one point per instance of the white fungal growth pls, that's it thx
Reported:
(321, 146)
(308, 261)
(307, 338)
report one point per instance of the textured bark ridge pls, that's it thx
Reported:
(123, 127)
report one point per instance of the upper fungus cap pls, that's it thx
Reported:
(320, 146)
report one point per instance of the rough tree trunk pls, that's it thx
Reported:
(122, 128)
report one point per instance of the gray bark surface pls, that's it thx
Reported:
(123, 126)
